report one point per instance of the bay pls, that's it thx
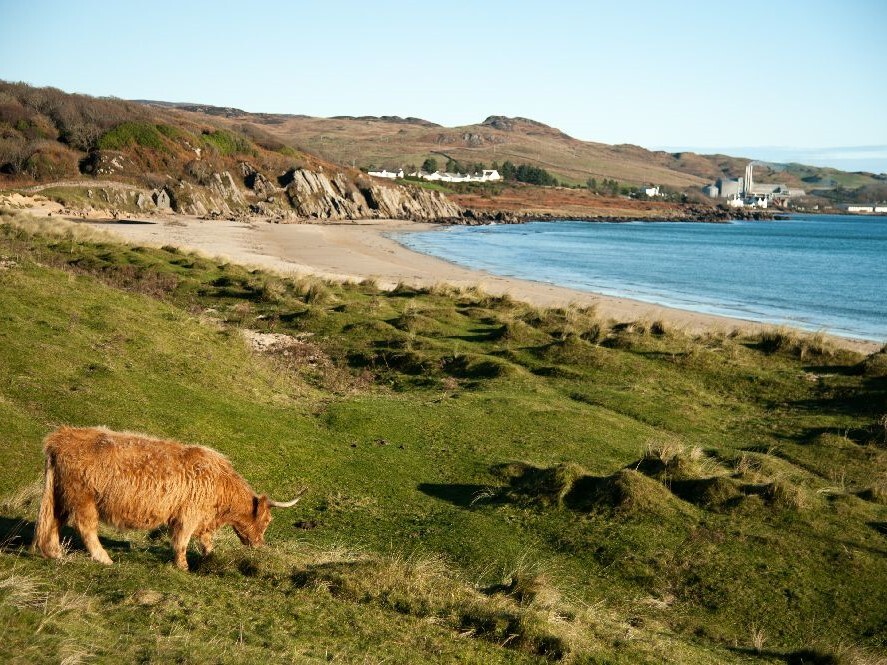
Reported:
(815, 272)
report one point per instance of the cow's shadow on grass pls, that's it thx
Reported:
(17, 534)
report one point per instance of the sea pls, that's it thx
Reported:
(815, 272)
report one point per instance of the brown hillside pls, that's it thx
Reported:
(394, 142)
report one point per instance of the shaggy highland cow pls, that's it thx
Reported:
(132, 481)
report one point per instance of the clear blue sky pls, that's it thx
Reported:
(702, 74)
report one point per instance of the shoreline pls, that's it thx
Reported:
(362, 249)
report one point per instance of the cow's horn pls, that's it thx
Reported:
(287, 504)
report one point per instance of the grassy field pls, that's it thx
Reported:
(488, 482)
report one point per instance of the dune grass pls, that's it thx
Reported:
(488, 482)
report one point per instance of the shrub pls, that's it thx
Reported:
(228, 143)
(129, 134)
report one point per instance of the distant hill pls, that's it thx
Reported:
(395, 142)
(235, 161)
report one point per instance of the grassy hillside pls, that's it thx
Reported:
(488, 482)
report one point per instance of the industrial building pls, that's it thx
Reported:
(744, 191)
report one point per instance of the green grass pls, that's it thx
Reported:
(228, 143)
(425, 184)
(130, 134)
(487, 482)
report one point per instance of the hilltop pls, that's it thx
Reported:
(395, 142)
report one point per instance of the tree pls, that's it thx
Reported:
(429, 165)
(453, 166)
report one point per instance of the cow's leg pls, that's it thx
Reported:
(86, 520)
(181, 536)
(206, 543)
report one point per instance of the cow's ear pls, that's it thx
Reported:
(255, 506)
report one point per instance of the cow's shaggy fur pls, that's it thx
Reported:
(133, 481)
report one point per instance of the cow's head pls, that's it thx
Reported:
(252, 531)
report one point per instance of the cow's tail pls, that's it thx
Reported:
(46, 535)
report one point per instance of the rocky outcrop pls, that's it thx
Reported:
(314, 195)
(301, 194)
(222, 186)
(161, 198)
(411, 203)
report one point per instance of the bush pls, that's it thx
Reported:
(128, 134)
(228, 143)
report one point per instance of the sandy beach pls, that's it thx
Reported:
(362, 250)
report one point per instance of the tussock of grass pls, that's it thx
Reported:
(800, 345)
(718, 491)
(515, 331)
(413, 320)
(315, 291)
(444, 290)
(476, 367)
(667, 460)
(831, 440)
(875, 364)
(566, 322)
(55, 228)
(545, 486)
(572, 351)
(783, 494)
(627, 491)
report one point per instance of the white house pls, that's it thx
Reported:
(456, 177)
(652, 191)
(387, 174)
(488, 175)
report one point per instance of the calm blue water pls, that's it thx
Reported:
(818, 272)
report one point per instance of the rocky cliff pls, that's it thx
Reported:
(315, 195)
(299, 194)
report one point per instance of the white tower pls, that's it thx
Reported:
(748, 178)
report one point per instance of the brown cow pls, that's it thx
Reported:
(132, 481)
